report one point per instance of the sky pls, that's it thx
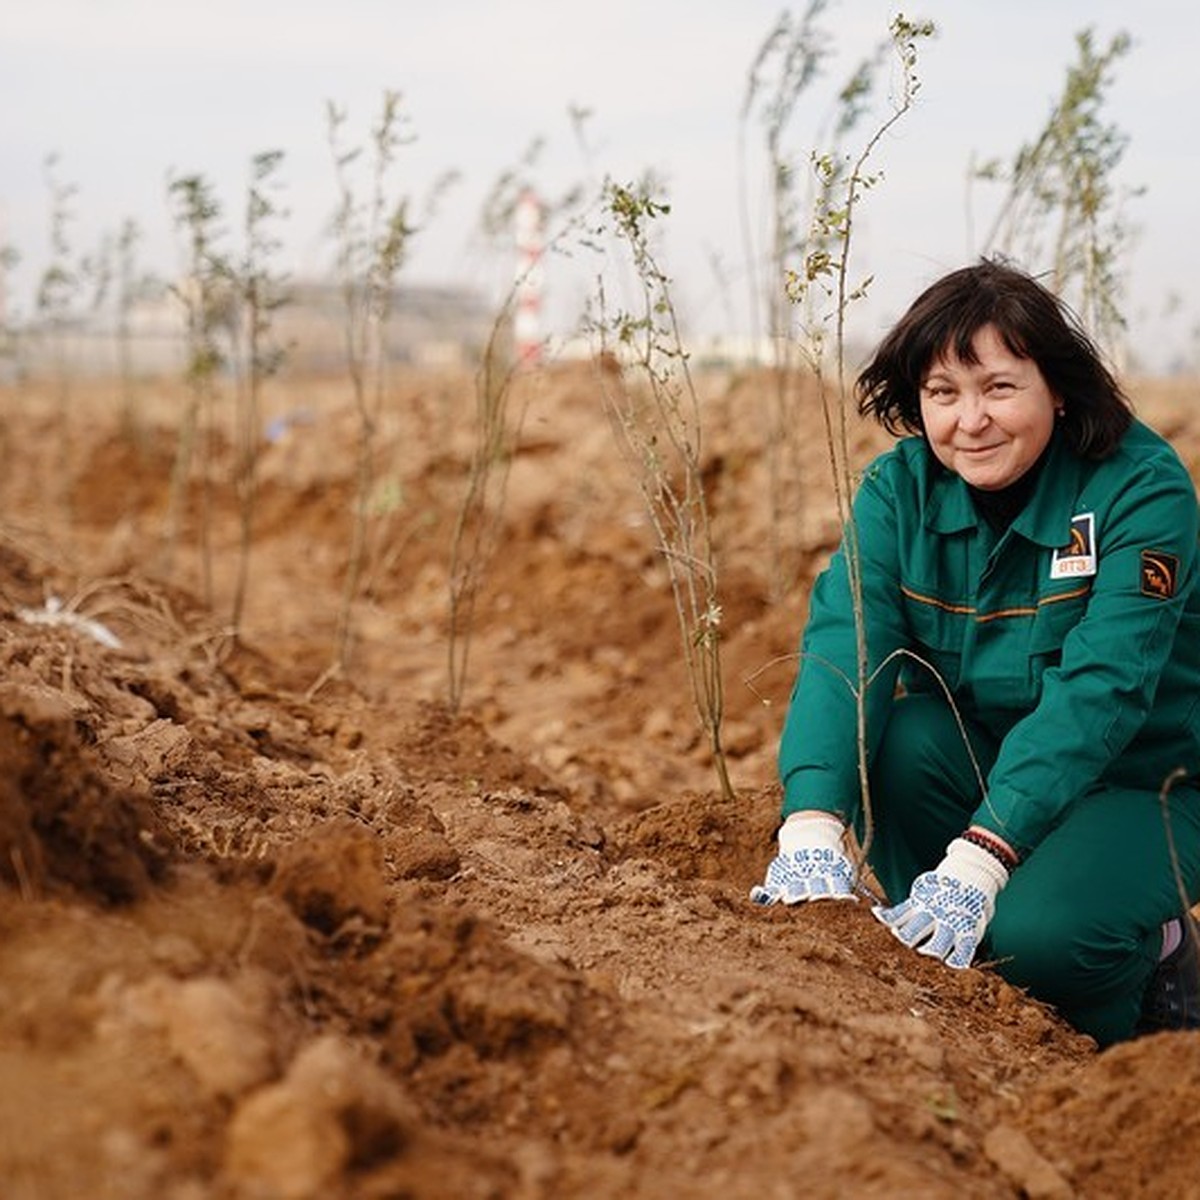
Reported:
(125, 94)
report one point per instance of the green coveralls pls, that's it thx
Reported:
(1071, 646)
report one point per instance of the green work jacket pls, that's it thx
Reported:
(1072, 638)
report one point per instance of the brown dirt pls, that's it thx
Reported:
(273, 935)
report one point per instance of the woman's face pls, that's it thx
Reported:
(990, 420)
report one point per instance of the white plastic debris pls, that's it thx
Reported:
(53, 613)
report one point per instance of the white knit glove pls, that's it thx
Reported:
(811, 864)
(949, 907)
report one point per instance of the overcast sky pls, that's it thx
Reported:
(125, 92)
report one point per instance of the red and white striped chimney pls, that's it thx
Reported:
(527, 321)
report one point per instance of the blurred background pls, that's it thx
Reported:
(110, 102)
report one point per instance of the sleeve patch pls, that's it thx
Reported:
(1159, 574)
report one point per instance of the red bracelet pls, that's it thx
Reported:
(993, 845)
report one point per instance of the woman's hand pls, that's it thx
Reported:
(811, 864)
(949, 907)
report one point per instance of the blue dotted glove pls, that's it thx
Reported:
(811, 863)
(949, 907)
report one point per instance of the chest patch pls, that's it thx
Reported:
(1078, 556)
(1159, 573)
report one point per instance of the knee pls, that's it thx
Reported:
(1056, 954)
(1032, 952)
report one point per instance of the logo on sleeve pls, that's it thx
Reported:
(1078, 556)
(1159, 574)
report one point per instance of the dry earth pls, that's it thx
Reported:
(274, 936)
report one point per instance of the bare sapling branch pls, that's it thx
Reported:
(57, 305)
(131, 285)
(824, 290)
(1179, 775)
(479, 518)
(787, 63)
(372, 240)
(480, 515)
(787, 66)
(10, 346)
(659, 431)
(1062, 211)
(261, 292)
(206, 298)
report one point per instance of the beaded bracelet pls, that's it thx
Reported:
(993, 845)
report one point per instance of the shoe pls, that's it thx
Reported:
(1172, 998)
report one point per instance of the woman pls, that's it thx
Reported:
(1031, 593)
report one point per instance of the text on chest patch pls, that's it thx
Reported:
(1078, 556)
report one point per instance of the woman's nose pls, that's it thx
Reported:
(972, 412)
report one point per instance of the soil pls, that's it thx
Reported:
(274, 931)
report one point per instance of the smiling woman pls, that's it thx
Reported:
(1030, 604)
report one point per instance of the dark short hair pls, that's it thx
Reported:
(1031, 321)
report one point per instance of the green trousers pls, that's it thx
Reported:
(1079, 924)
